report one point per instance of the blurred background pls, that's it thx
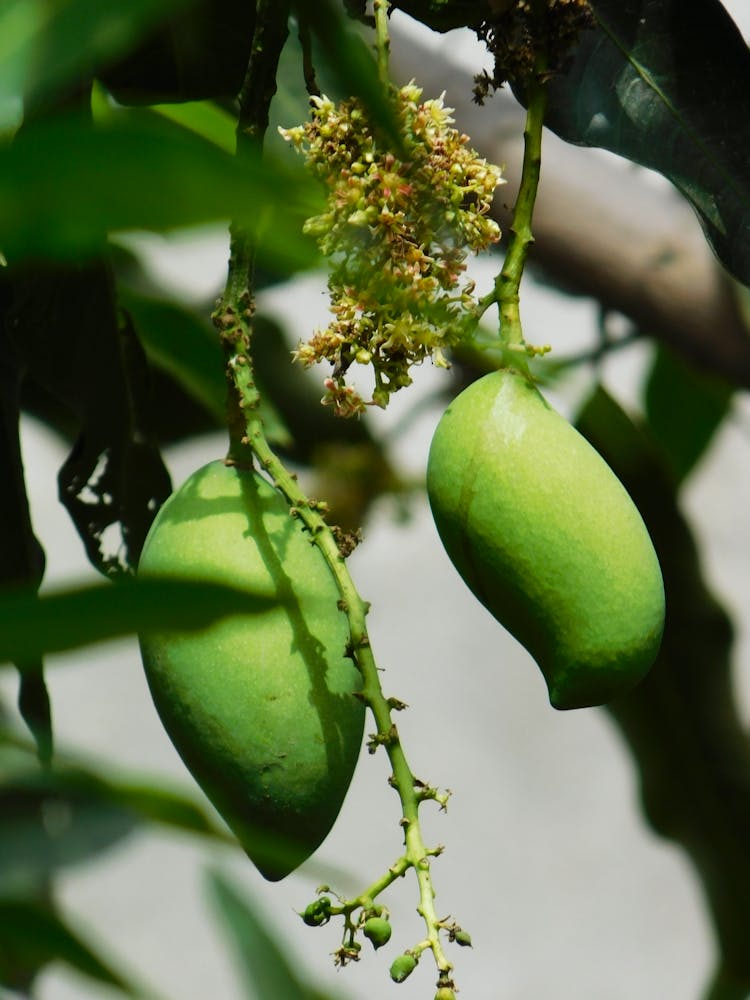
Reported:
(548, 863)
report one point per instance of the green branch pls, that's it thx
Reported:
(508, 282)
(382, 42)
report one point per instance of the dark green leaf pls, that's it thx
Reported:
(44, 46)
(142, 172)
(31, 935)
(684, 408)
(66, 326)
(445, 16)
(31, 625)
(34, 706)
(681, 722)
(184, 344)
(667, 84)
(265, 969)
(200, 53)
(21, 555)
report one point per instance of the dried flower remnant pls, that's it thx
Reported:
(397, 234)
(518, 31)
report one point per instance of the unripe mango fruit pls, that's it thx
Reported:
(261, 707)
(547, 538)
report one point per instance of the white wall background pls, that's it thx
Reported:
(548, 864)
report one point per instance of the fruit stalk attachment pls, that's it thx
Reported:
(506, 291)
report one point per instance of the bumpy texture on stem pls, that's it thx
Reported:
(248, 442)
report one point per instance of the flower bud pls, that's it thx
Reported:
(318, 912)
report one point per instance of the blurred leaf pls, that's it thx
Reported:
(45, 45)
(64, 815)
(43, 830)
(142, 172)
(684, 408)
(727, 986)
(667, 85)
(182, 343)
(74, 342)
(21, 555)
(350, 63)
(31, 935)
(206, 119)
(35, 708)
(70, 795)
(186, 346)
(31, 625)
(200, 53)
(265, 970)
(682, 722)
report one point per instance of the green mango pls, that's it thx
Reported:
(262, 708)
(378, 931)
(546, 537)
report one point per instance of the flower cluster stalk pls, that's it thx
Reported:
(248, 443)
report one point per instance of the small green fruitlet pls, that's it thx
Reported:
(261, 707)
(402, 967)
(445, 993)
(546, 537)
(378, 931)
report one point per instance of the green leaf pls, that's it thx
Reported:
(206, 119)
(667, 85)
(44, 46)
(181, 342)
(684, 409)
(141, 172)
(185, 346)
(265, 969)
(31, 626)
(32, 935)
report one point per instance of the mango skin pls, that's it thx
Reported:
(546, 537)
(261, 708)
